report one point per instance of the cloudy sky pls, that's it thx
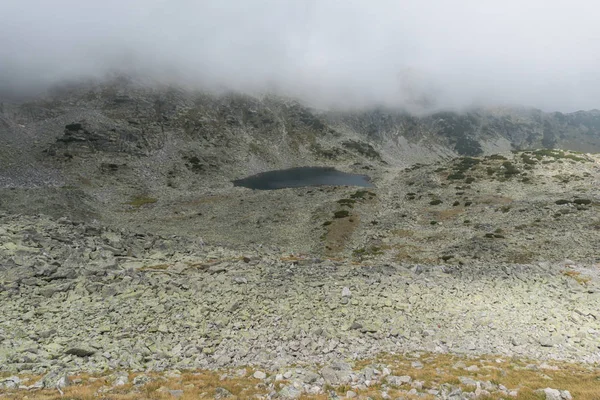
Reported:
(407, 53)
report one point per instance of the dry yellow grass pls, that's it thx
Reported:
(582, 280)
(446, 215)
(583, 381)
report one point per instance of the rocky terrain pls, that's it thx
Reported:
(124, 246)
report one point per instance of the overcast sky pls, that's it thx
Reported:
(434, 53)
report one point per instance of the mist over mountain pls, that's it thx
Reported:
(421, 56)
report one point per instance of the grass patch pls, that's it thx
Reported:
(582, 280)
(139, 201)
(367, 251)
(362, 194)
(341, 214)
(346, 202)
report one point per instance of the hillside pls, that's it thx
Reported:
(124, 246)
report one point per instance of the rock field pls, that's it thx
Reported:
(81, 297)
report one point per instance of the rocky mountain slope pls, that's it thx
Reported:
(125, 245)
(84, 147)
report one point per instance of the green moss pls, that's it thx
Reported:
(562, 202)
(510, 169)
(527, 159)
(140, 201)
(456, 176)
(582, 201)
(435, 202)
(341, 214)
(367, 251)
(346, 202)
(497, 157)
(327, 223)
(362, 194)
(558, 154)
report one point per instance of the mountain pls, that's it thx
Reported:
(133, 153)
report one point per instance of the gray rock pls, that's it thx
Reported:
(176, 393)
(289, 392)
(222, 393)
(465, 380)
(551, 394)
(121, 379)
(141, 380)
(80, 352)
(259, 375)
(337, 373)
(12, 382)
(398, 380)
(549, 341)
(52, 380)
(346, 292)
(566, 395)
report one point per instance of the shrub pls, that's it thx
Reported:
(341, 214)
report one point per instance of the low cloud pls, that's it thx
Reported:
(426, 54)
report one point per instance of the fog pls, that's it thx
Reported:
(418, 54)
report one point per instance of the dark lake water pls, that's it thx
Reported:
(303, 176)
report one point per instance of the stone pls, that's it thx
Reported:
(549, 341)
(338, 373)
(176, 393)
(398, 380)
(12, 382)
(121, 379)
(289, 393)
(222, 393)
(416, 364)
(259, 375)
(350, 394)
(551, 394)
(465, 380)
(52, 380)
(80, 352)
(566, 395)
(141, 380)
(346, 292)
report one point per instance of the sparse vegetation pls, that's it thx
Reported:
(582, 280)
(367, 251)
(362, 194)
(139, 201)
(341, 214)
(346, 202)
